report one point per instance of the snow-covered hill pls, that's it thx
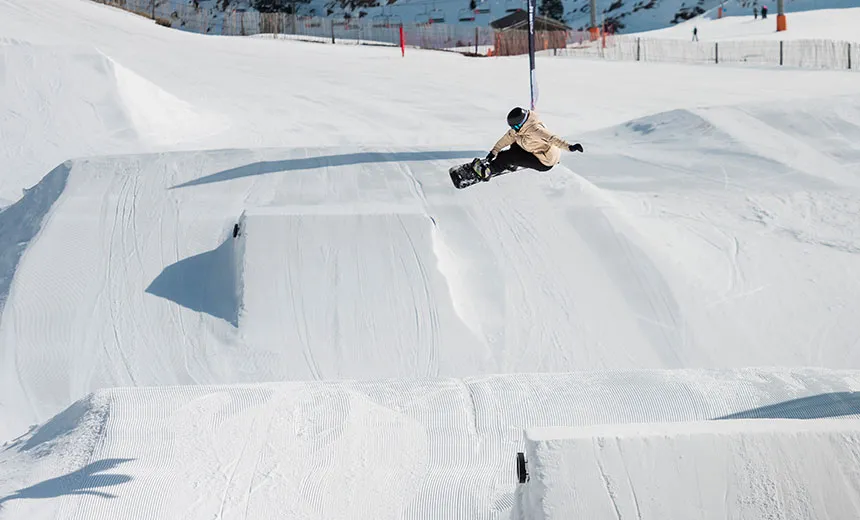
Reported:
(66, 101)
(249, 254)
(824, 24)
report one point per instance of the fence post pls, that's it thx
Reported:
(332, 30)
(476, 40)
(780, 53)
(637, 48)
(293, 19)
(153, 9)
(848, 44)
(717, 52)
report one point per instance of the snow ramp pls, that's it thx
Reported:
(62, 102)
(353, 288)
(240, 266)
(432, 448)
(745, 469)
(237, 266)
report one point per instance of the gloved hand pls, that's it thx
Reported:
(490, 156)
(575, 147)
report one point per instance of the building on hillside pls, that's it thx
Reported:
(512, 34)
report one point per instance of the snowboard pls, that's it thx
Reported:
(464, 175)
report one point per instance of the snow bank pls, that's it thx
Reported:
(426, 448)
(728, 469)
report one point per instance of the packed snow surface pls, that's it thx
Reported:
(184, 210)
(746, 469)
(426, 448)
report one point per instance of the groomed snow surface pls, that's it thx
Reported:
(440, 448)
(743, 468)
(236, 281)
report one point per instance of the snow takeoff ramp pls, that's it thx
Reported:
(744, 469)
(430, 449)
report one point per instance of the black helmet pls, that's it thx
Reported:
(517, 117)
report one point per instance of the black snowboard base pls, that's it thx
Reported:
(465, 175)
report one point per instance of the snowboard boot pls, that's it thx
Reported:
(482, 169)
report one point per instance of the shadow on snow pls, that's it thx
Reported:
(309, 163)
(204, 283)
(834, 404)
(85, 481)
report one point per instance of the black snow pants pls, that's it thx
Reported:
(509, 159)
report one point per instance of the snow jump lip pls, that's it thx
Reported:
(745, 468)
(443, 446)
(324, 161)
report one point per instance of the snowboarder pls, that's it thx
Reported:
(695, 34)
(531, 146)
(763, 12)
(755, 12)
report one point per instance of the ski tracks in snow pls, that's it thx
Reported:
(559, 251)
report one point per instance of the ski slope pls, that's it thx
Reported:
(249, 251)
(440, 448)
(250, 93)
(740, 24)
(370, 266)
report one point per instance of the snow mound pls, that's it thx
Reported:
(418, 448)
(61, 102)
(730, 468)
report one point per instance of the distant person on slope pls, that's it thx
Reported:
(531, 146)
(763, 12)
(695, 34)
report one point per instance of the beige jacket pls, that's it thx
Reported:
(533, 137)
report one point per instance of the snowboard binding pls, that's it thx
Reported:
(471, 173)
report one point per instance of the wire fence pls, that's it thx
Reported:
(807, 54)
(385, 30)
(382, 31)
